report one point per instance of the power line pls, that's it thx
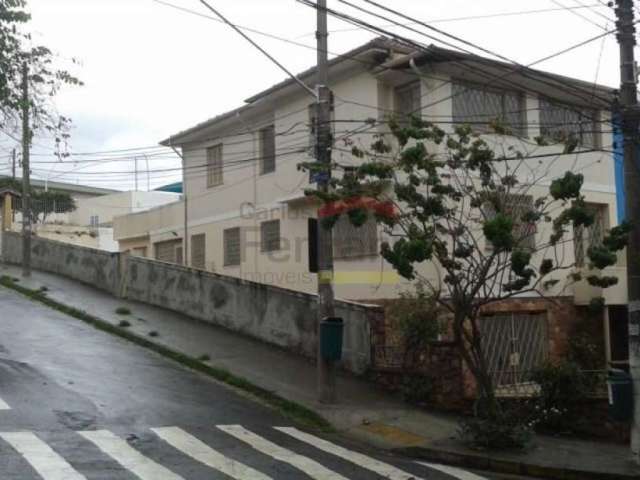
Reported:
(304, 86)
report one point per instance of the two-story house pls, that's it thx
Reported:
(244, 212)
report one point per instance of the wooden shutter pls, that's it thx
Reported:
(232, 253)
(214, 166)
(267, 150)
(198, 253)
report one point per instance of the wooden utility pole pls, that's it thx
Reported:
(26, 175)
(326, 369)
(629, 122)
(13, 164)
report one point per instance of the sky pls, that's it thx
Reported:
(151, 70)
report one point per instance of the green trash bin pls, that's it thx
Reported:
(620, 386)
(331, 333)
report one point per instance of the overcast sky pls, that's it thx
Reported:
(151, 70)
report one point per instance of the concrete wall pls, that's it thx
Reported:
(275, 315)
(91, 266)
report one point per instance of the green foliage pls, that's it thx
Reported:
(506, 429)
(17, 48)
(416, 388)
(601, 257)
(499, 231)
(567, 187)
(123, 311)
(562, 387)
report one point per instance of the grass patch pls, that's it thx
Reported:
(204, 358)
(292, 410)
(124, 324)
(123, 311)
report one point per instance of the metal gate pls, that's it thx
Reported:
(514, 344)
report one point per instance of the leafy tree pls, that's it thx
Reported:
(45, 79)
(465, 208)
(43, 203)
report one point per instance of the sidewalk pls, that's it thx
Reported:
(363, 413)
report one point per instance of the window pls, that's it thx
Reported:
(231, 240)
(267, 150)
(214, 166)
(350, 241)
(560, 122)
(94, 221)
(139, 252)
(407, 101)
(592, 236)
(168, 251)
(515, 206)
(198, 245)
(270, 235)
(479, 106)
(179, 256)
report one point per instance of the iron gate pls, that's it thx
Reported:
(514, 344)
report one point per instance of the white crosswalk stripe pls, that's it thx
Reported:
(452, 471)
(48, 464)
(4, 405)
(364, 461)
(196, 449)
(305, 464)
(127, 456)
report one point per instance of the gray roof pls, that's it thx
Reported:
(68, 187)
(501, 73)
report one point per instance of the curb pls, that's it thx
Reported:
(288, 408)
(488, 464)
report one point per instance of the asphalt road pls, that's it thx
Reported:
(77, 403)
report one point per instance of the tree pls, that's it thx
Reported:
(45, 79)
(43, 203)
(451, 200)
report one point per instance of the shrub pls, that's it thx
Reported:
(123, 311)
(562, 386)
(509, 428)
(124, 324)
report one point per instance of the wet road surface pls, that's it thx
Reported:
(77, 403)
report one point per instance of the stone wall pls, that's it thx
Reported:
(98, 268)
(275, 315)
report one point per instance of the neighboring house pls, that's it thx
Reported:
(247, 215)
(91, 223)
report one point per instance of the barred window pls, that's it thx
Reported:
(560, 122)
(592, 236)
(198, 251)
(407, 101)
(350, 241)
(94, 221)
(479, 106)
(214, 166)
(267, 150)
(231, 240)
(270, 235)
(516, 207)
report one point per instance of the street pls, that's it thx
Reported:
(78, 403)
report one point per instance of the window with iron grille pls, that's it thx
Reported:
(350, 241)
(407, 101)
(592, 236)
(560, 122)
(480, 106)
(270, 235)
(267, 150)
(231, 242)
(198, 251)
(214, 166)
(516, 207)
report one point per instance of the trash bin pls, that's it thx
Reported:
(331, 333)
(620, 388)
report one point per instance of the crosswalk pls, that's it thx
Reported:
(235, 454)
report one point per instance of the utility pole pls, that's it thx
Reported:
(629, 118)
(26, 175)
(326, 369)
(13, 164)
(135, 161)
